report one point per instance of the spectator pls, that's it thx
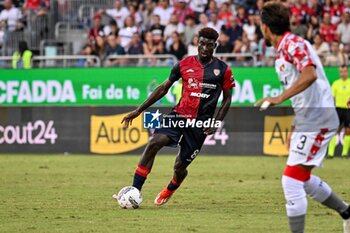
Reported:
(177, 48)
(336, 57)
(313, 28)
(215, 22)
(328, 30)
(343, 30)
(212, 8)
(86, 62)
(126, 32)
(32, 4)
(296, 27)
(136, 16)
(326, 6)
(190, 29)
(314, 9)
(224, 45)
(118, 13)
(241, 16)
(136, 45)
(250, 28)
(203, 22)
(299, 10)
(157, 29)
(198, 7)
(111, 29)
(147, 14)
(233, 29)
(192, 48)
(225, 13)
(113, 48)
(346, 5)
(95, 35)
(151, 48)
(10, 17)
(164, 11)
(257, 20)
(336, 11)
(22, 59)
(173, 26)
(241, 45)
(39, 7)
(259, 5)
(321, 47)
(182, 10)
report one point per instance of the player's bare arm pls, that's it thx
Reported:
(225, 105)
(158, 93)
(306, 79)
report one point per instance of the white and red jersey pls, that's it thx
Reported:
(313, 107)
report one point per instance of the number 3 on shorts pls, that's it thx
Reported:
(301, 144)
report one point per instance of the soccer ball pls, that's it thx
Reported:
(129, 197)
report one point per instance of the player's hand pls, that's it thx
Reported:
(348, 103)
(209, 131)
(271, 100)
(127, 120)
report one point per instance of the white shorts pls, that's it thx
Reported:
(309, 148)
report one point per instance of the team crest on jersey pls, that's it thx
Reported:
(192, 83)
(216, 72)
(282, 67)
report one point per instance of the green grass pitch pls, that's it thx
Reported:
(50, 193)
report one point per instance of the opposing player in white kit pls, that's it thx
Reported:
(301, 72)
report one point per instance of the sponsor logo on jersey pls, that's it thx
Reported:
(200, 95)
(208, 85)
(192, 83)
(216, 72)
(189, 71)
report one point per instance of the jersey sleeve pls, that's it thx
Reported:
(229, 81)
(175, 73)
(300, 54)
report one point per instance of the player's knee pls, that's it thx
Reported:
(293, 189)
(155, 143)
(317, 189)
(295, 196)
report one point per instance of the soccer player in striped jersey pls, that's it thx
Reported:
(316, 121)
